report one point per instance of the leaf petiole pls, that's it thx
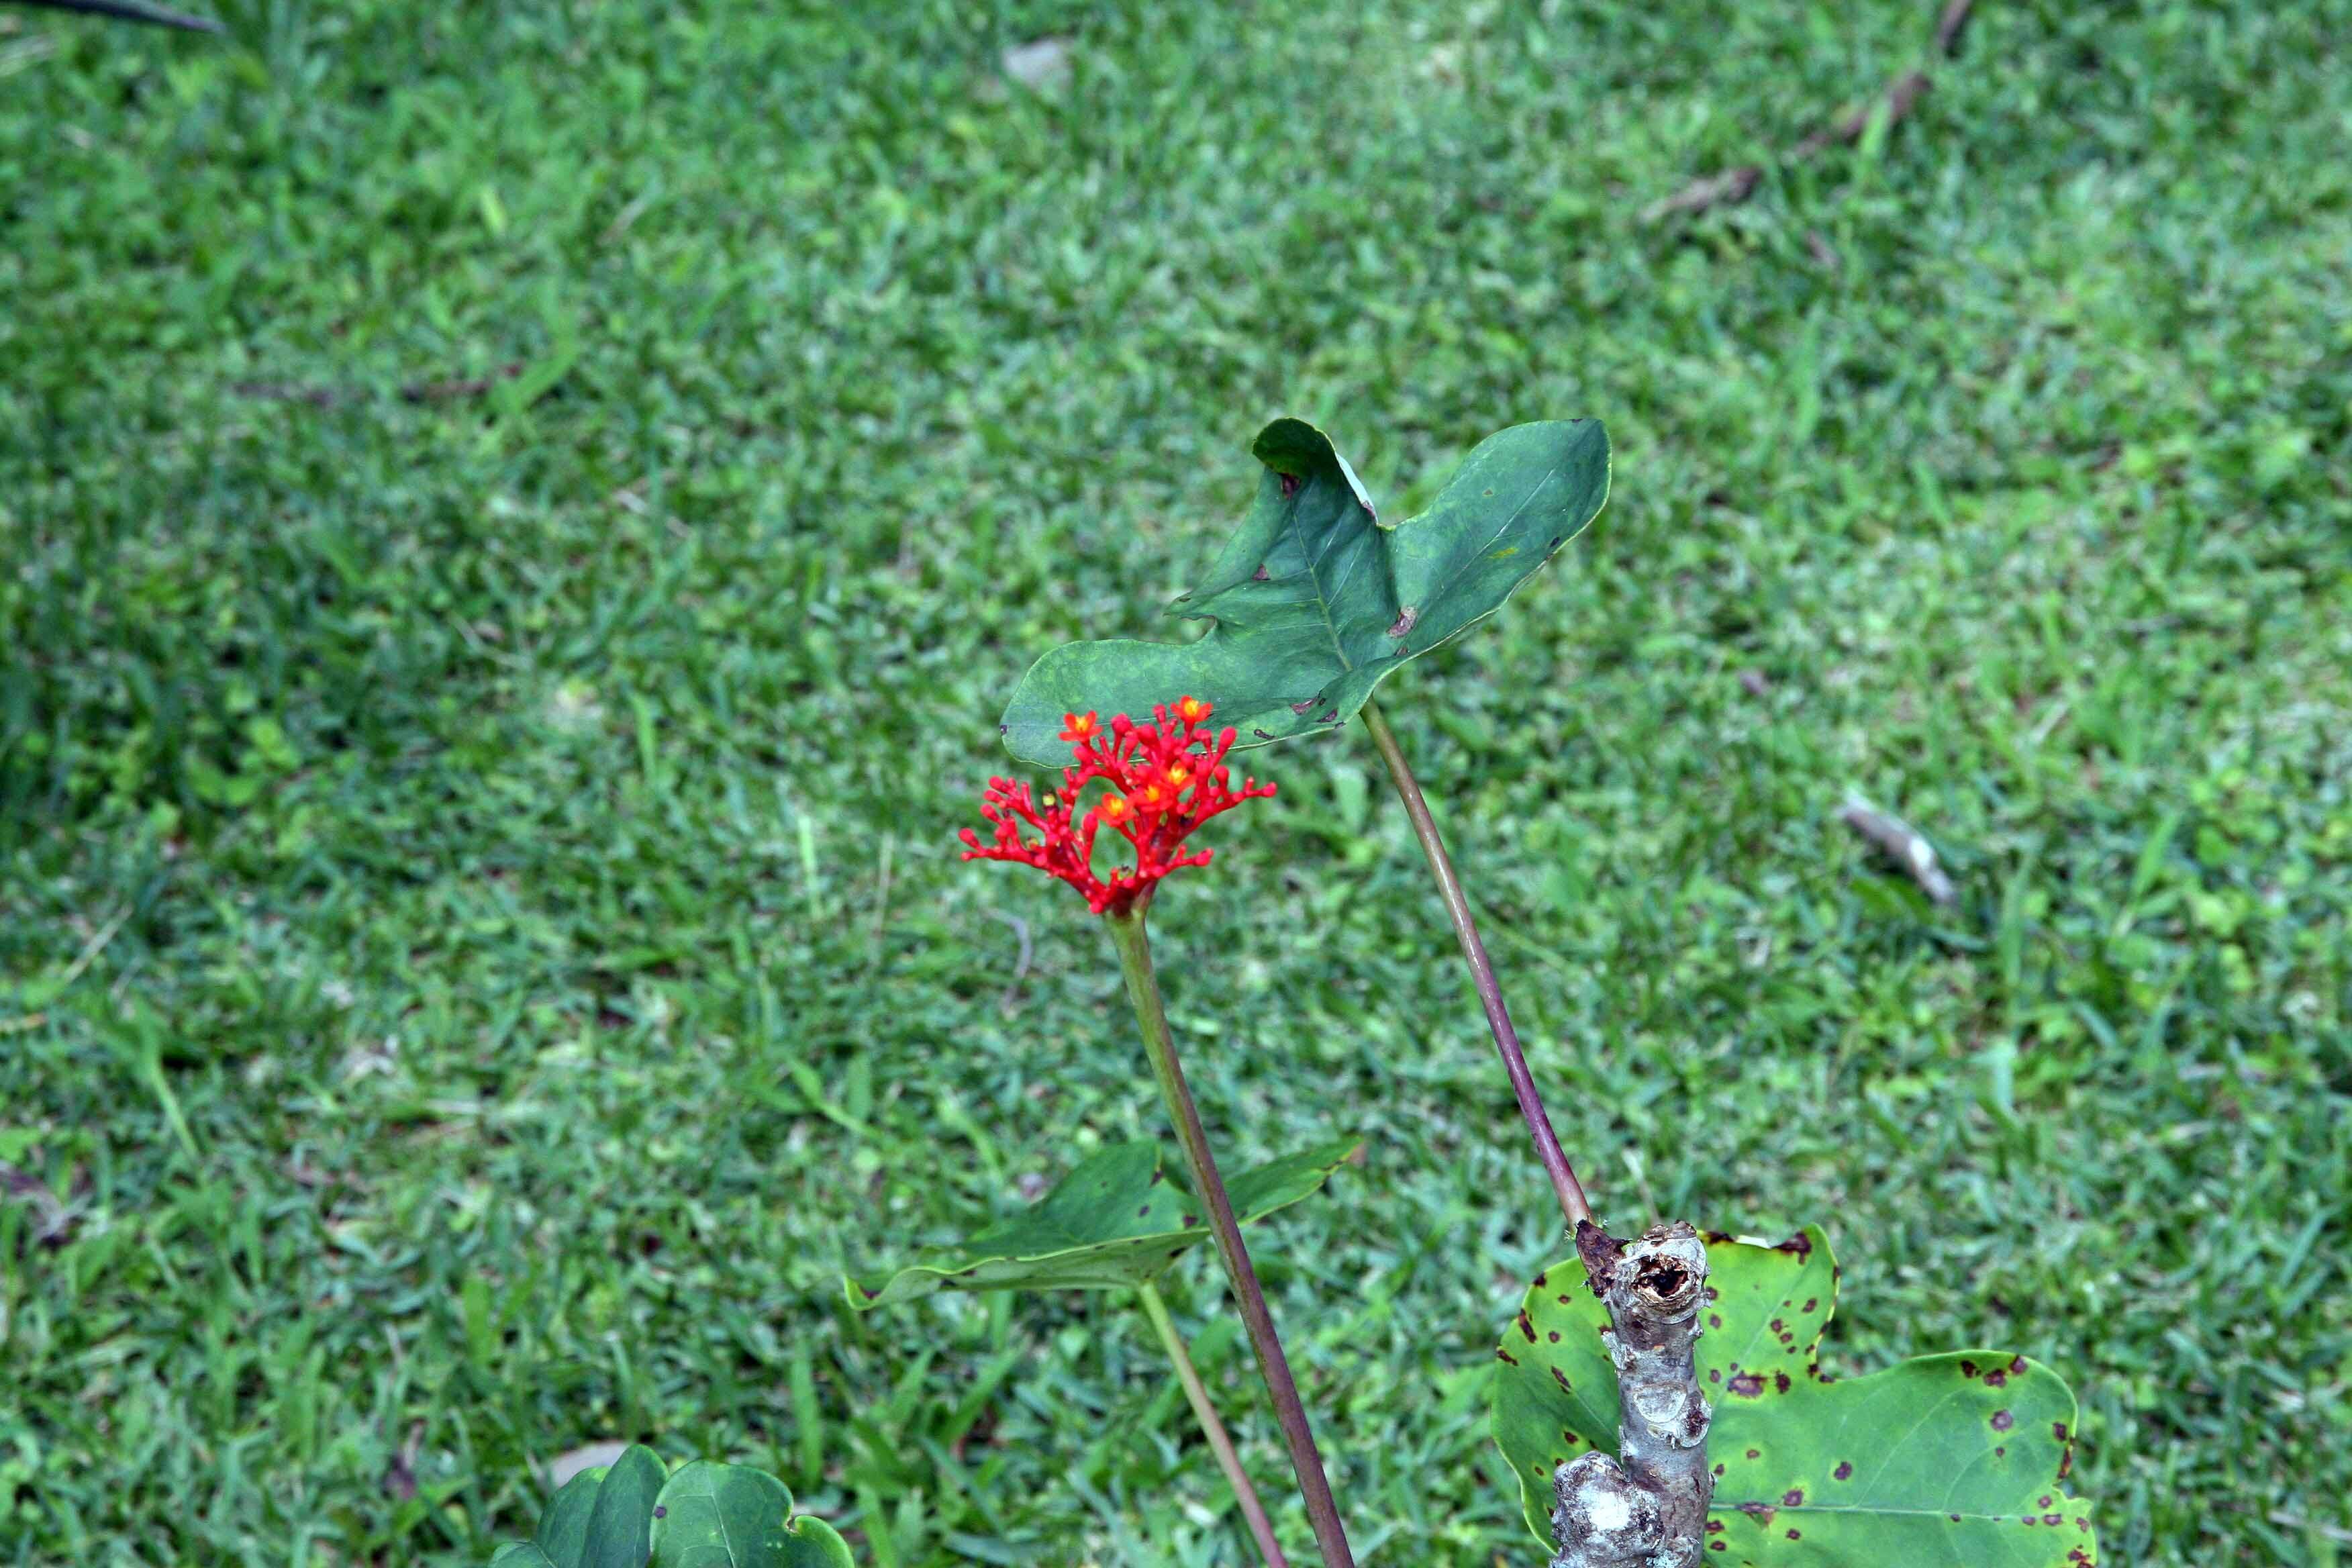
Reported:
(1564, 1184)
(1221, 1443)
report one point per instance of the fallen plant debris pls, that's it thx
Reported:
(451, 390)
(1043, 66)
(54, 1219)
(1896, 100)
(1738, 185)
(1903, 844)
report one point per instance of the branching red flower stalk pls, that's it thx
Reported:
(1162, 780)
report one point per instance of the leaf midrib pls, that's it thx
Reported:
(1322, 600)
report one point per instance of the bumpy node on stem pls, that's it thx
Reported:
(1647, 1507)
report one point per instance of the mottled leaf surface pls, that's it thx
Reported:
(1118, 1220)
(727, 1516)
(1315, 601)
(1944, 1461)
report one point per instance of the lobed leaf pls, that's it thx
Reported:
(1118, 1220)
(1315, 601)
(1943, 1461)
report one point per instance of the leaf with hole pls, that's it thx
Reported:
(728, 1516)
(1944, 1461)
(1315, 601)
(1118, 1220)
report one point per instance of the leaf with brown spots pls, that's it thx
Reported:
(1945, 1461)
(1315, 601)
(1116, 1220)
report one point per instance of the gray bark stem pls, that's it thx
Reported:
(1645, 1508)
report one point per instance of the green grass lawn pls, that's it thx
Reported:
(480, 938)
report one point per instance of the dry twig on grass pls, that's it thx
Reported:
(1900, 97)
(1903, 844)
(448, 391)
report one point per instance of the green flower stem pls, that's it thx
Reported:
(1143, 989)
(1564, 1184)
(1220, 1442)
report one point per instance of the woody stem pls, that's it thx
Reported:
(1134, 946)
(1564, 1184)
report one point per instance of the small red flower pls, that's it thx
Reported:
(1165, 778)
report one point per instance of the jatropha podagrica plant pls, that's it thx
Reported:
(1312, 603)
(1661, 1399)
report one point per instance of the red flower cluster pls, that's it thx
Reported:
(1165, 778)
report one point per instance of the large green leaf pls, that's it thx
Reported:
(1118, 1220)
(601, 1518)
(1315, 601)
(706, 1516)
(562, 1533)
(1946, 1461)
(564, 1526)
(620, 1525)
(726, 1516)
